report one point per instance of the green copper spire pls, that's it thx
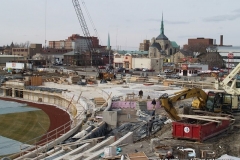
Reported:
(108, 45)
(162, 26)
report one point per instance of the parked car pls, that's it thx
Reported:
(101, 67)
(174, 76)
(151, 70)
(137, 69)
(121, 69)
(162, 75)
(168, 71)
(144, 69)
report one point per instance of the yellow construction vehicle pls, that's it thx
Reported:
(231, 85)
(212, 102)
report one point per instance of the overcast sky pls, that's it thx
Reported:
(128, 22)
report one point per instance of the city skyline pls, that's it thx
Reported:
(127, 22)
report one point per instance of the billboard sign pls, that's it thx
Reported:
(184, 66)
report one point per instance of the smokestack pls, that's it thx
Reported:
(221, 40)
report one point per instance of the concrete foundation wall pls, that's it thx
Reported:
(110, 117)
(50, 98)
(130, 104)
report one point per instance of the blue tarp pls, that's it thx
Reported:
(7, 107)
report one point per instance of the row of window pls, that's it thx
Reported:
(20, 50)
(189, 71)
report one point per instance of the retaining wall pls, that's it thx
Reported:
(133, 104)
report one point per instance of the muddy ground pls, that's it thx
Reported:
(224, 143)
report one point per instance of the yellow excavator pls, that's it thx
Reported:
(213, 101)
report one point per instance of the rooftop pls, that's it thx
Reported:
(156, 45)
(131, 52)
(174, 44)
(9, 56)
(228, 48)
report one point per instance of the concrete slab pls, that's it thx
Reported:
(75, 151)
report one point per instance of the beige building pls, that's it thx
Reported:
(162, 47)
(20, 52)
(28, 52)
(144, 46)
(178, 56)
(130, 61)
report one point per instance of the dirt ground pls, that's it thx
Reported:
(224, 143)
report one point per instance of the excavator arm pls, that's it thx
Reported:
(167, 102)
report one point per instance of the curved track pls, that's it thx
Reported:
(57, 118)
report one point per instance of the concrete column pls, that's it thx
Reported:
(4, 92)
(13, 92)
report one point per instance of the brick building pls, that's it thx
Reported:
(205, 41)
(74, 42)
(84, 58)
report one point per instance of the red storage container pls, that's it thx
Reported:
(187, 129)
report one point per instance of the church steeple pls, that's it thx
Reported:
(162, 35)
(162, 26)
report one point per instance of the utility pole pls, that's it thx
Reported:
(109, 50)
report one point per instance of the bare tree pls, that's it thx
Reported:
(200, 47)
(22, 44)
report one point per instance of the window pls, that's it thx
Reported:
(227, 99)
(166, 46)
(237, 84)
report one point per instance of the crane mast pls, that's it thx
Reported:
(84, 27)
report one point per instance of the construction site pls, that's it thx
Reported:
(111, 119)
(99, 113)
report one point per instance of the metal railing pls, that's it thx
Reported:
(51, 136)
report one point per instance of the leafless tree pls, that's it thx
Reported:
(22, 45)
(200, 47)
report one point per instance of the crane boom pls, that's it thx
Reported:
(84, 27)
(234, 88)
